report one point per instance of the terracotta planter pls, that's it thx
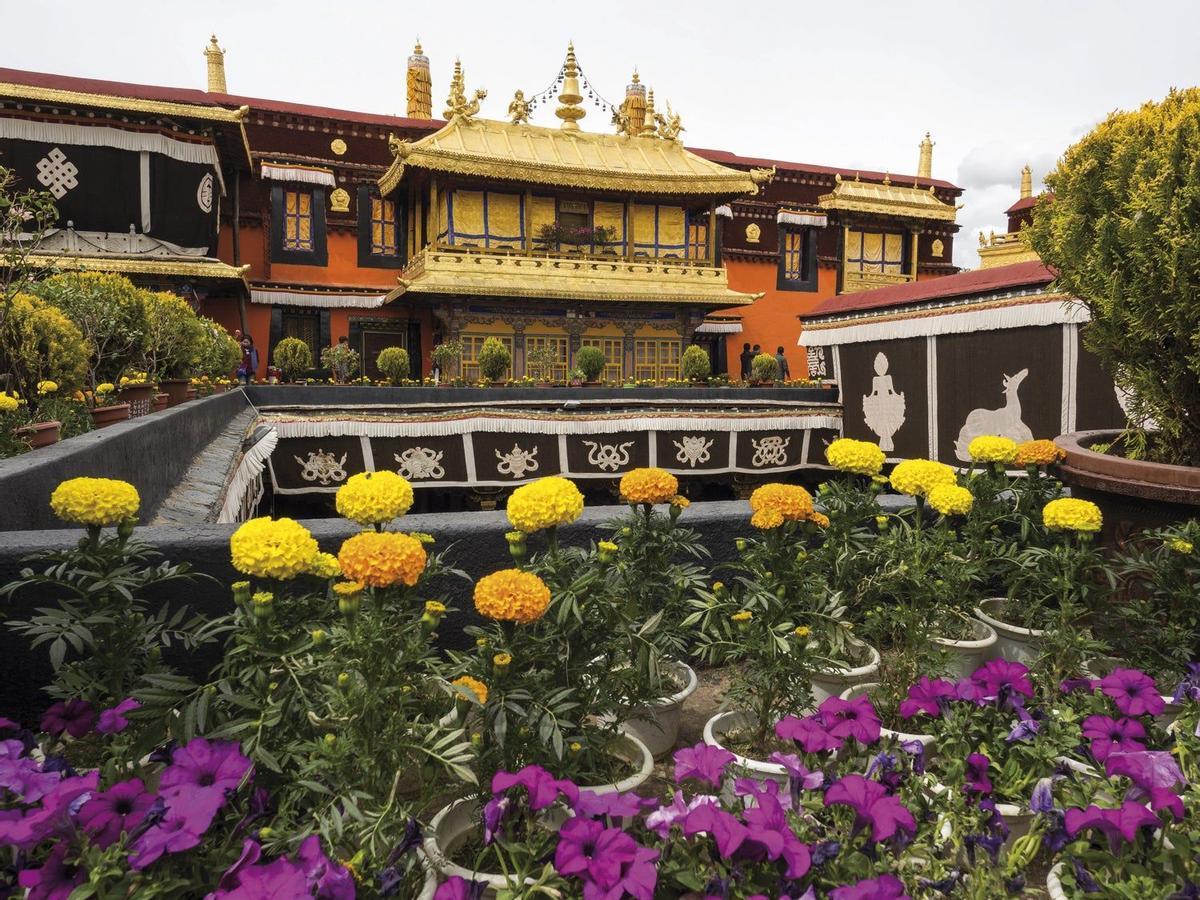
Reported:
(192, 394)
(176, 389)
(220, 388)
(140, 399)
(1132, 494)
(39, 434)
(103, 416)
(160, 402)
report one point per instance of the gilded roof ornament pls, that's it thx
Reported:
(457, 105)
(569, 98)
(630, 117)
(925, 162)
(669, 126)
(651, 127)
(518, 110)
(1026, 183)
(215, 57)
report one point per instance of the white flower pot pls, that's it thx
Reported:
(720, 725)
(453, 825)
(1054, 882)
(968, 655)
(898, 736)
(835, 681)
(1013, 642)
(657, 726)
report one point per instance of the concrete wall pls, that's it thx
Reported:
(151, 452)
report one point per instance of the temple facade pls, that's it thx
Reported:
(411, 231)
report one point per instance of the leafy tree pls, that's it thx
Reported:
(292, 357)
(694, 365)
(393, 363)
(174, 336)
(1123, 232)
(494, 359)
(591, 361)
(39, 343)
(219, 354)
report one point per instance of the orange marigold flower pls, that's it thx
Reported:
(511, 595)
(1039, 453)
(791, 501)
(649, 486)
(382, 559)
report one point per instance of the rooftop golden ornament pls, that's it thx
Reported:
(887, 199)
(95, 501)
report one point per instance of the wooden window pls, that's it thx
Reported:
(298, 224)
(797, 259)
(614, 356)
(381, 230)
(557, 343)
(471, 345)
(306, 327)
(698, 236)
(297, 221)
(874, 252)
(656, 359)
(385, 238)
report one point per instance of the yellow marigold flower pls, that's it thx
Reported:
(348, 588)
(917, 477)
(373, 498)
(473, 686)
(435, 608)
(680, 502)
(47, 387)
(991, 448)
(744, 615)
(791, 501)
(1039, 453)
(545, 503)
(951, 500)
(858, 457)
(511, 595)
(1179, 545)
(766, 519)
(649, 486)
(607, 546)
(802, 631)
(325, 565)
(382, 558)
(1071, 514)
(819, 519)
(95, 501)
(272, 548)
(9, 404)
(502, 661)
(426, 539)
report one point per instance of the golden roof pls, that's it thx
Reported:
(189, 268)
(552, 156)
(489, 274)
(887, 199)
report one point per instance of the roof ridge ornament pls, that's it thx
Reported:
(570, 98)
(457, 105)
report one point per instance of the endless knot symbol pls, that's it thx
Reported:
(57, 173)
(693, 450)
(608, 457)
(770, 451)
(517, 462)
(420, 462)
(322, 467)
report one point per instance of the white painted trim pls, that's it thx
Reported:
(368, 454)
(947, 322)
(804, 445)
(725, 211)
(811, 220)
(931, 393)
(248, 471)
(322, 301)
(302, 174)
(144, 178)
(1071, 374)
(719, 328)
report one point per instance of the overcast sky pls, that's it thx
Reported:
(852, 83)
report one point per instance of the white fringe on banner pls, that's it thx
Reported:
(791, 217)
(719, 328)
(954, 321)
(318, 428)
(102, 136)
(323, 301)
(298, 173)
(248, 473)
(725, 211)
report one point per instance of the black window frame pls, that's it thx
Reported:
(319, 255)
(808, 265)
(367, 259)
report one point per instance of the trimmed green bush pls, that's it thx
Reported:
(174, 336)
(393, 363)
(219, 353)
(764, 367)
(694, 365)
(42, 345)
(591, 361)
(494, 359)
(446, 357)
(292, 357)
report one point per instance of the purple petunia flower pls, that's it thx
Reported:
(769, 836)
(1042, 798)
(809, 733)
(1084, 879)
(75, 717)
(724, 828)
(929, 695)
(251, 853)
(174, 834)
(916, 749)
(1000, 676)
(1070, 685)
(55, 879)
(662, 819)
(327, 879)
(1189, 688)
(1133, 692)
(976, 775)
(1108, 735)
(1116, 824)
(120, 809)
(494, 812)
(854, 718)
(22, 776)
(588, 850)
(216, 765)
(873, 806)
(1155, 775)
(281, 879)
(703, 762)
(113, 721)
(457, 888)
(542, 787)
(52, 817)
(613, 805)
(801, 777)
(1026, 729)
(885, 887)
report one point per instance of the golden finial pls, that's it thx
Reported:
(925, 163)
(419, 87)
(651, 126)
(631, 117)
(457, 105)
(216, 67)
(1026, 182)
(887, 179)
(570, 98)
(518, 110)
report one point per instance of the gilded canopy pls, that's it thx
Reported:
(887, 199)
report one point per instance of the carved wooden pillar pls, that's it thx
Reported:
(916, 234)
(627, 346)
(518, 362)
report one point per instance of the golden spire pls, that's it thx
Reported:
(570, 98)
(457, 104)
(1026, 183)
(651, 125)
(634, 107)
(216, 67)
(925, 164)
(420, 89)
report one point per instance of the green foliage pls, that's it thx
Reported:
(393, 363)
(293, 357)
(38, 343)
(110, 312)
(764, 367)
(447, 356)
(1123, 233)
(494, 359)
(694, 365)
(340, 360)
(539, 363)
(218, 354)
(174, 336)
(591, 361)
(71, 413)
(29, 214)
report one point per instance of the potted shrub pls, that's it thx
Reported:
(494, 361)
(38, 343)
(446, 358)
(341, 361)
(142, 395)
(590, 361)
(174, 338)
(539, 364)
(1121, 232)
(694, 365)
(764, 370)
(393, 363)
(218, 354)
(293, 357)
